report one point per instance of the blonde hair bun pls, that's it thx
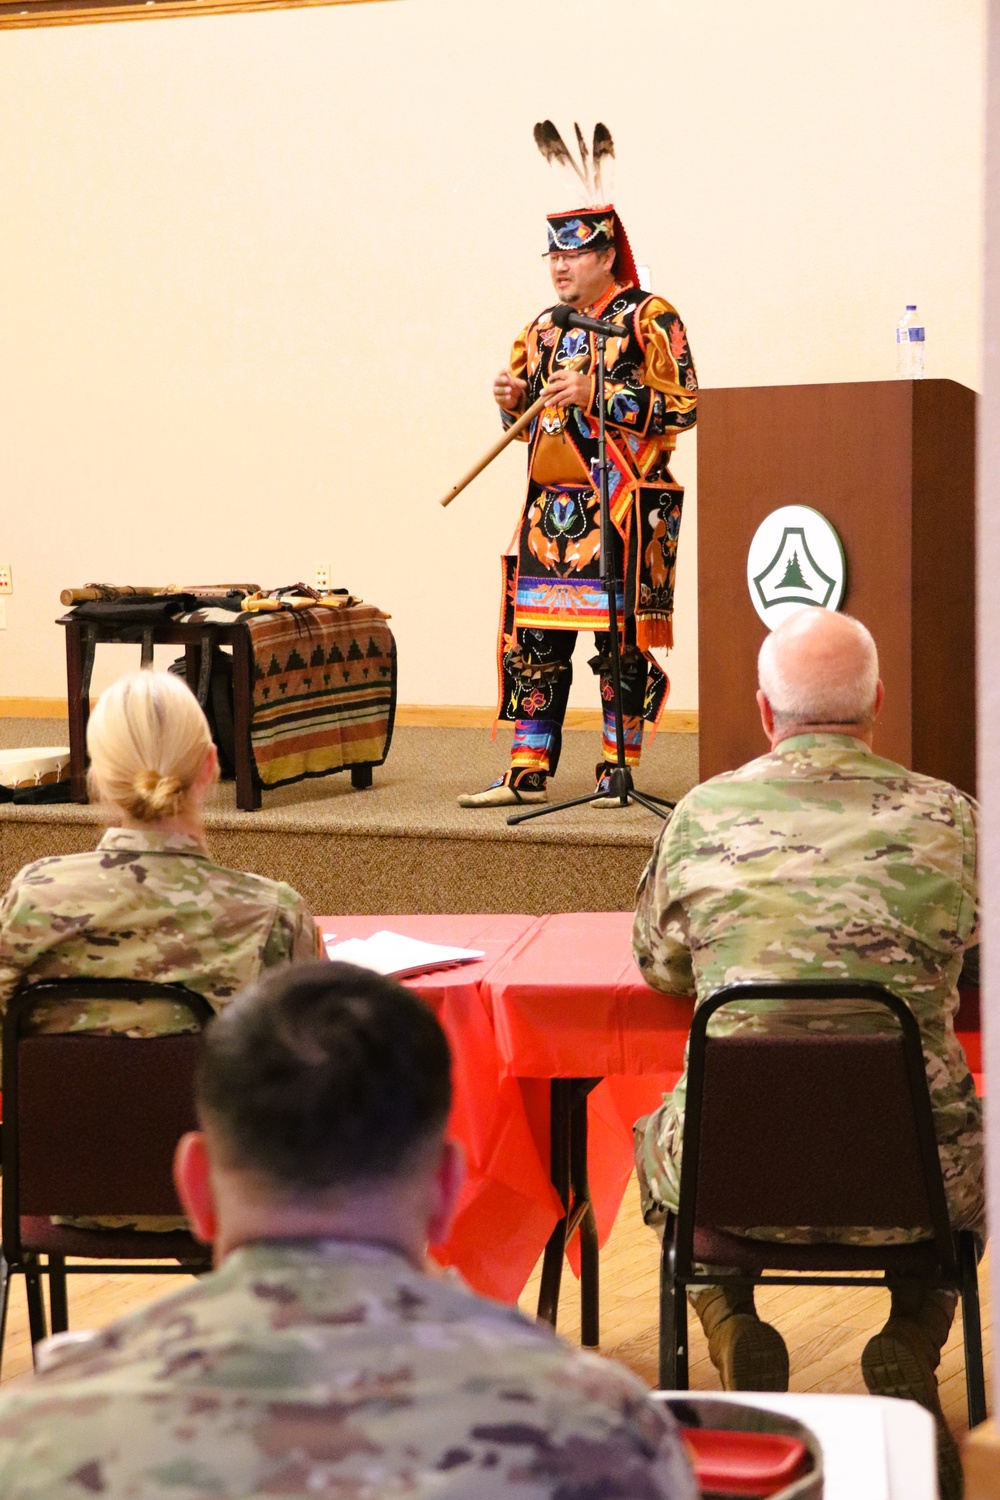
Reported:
(157, 796)
(147, 738)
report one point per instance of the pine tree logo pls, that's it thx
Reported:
(795, 558)
(793, 575)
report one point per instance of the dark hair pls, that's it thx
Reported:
(324, 1075)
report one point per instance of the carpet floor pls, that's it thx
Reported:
(405, 845)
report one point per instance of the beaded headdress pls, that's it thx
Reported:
(595, 225)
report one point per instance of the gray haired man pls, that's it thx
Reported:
(820, 860)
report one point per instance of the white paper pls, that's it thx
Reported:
(392, 953)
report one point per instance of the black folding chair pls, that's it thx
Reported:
(810, 1128)
(89, 1129)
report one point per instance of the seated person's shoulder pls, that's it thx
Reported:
(257, 902)
(936, 799)
(259, 889)
(724, 790)
(54, 867)
(47, 881)
(538, 1381)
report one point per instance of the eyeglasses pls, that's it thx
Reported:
(568, 255)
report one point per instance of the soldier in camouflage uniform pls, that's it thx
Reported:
(146, 905)
(321, 1358)
(815, 861)
(149, 902)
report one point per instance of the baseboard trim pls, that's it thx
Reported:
(33, 708)
(408, 715)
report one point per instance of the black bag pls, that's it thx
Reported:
(135, 609)
(218, 708)
(34, 796)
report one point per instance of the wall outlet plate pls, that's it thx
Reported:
(322, 577)
(6, 579)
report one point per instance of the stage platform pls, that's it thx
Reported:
(405, 845)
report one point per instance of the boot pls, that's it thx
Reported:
(515, 786)
(902, 1361)
(603, 774)
(748, 1354)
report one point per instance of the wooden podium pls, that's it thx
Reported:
(892, 465)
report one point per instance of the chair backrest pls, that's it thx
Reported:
(809, 1128)
(91, 1122)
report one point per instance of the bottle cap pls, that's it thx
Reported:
(911, 307)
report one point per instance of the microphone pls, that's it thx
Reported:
(564, 317)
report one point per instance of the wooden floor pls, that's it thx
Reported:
(825, 1328)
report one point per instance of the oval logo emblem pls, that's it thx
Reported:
(795, 558)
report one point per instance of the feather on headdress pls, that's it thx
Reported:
(604, 154)
(552, 146)
(591, 171)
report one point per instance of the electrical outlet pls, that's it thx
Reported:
(322, 577)
(6, 579)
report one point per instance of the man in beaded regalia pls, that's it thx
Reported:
(552, 584)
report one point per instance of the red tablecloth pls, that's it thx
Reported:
(967, 1031)
(568, 1001)
(508, 1206)
(555, 997)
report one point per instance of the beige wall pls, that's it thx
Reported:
(256, 272)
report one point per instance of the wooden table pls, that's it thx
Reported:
(198, 639)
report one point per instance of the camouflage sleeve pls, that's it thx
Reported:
(638, 1452)
(660, 935)
(14, 961)
(294, 938)
(968, 924)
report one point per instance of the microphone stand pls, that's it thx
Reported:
(620, 782)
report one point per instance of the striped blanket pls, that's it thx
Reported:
(324, 694)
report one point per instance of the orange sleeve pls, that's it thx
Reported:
(667, 364)
(518, 367)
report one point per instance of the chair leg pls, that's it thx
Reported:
(668, 1312)
(36, 1302)
(58, 1305)
(975, 1378)
(681, 1335)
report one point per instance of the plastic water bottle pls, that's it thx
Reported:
(910, 345)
